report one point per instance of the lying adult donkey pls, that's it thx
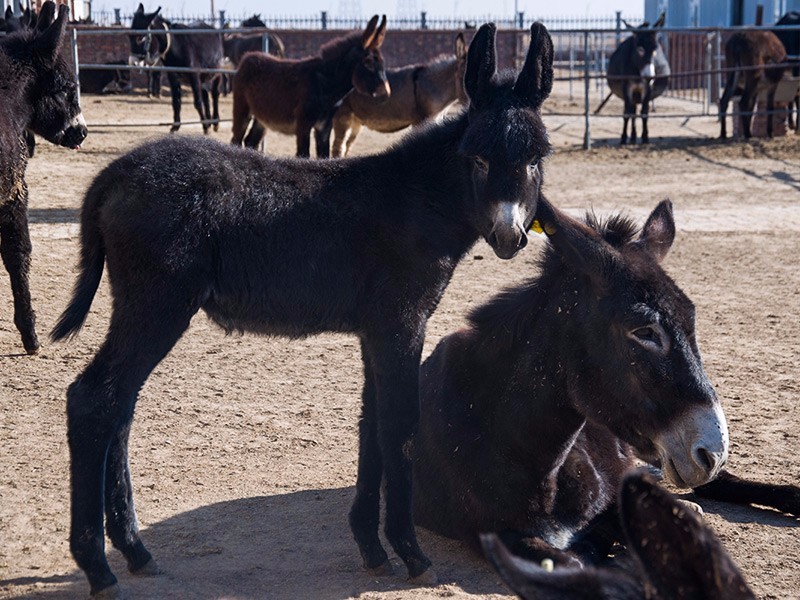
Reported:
(674, 555)
(419, 92)
(194, 50)
(38, 94)
(295, 96)
(531, 415)
(188, 224)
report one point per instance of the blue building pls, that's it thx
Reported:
(716, 13)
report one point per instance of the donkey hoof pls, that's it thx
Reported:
(427, 578)
(149, 569)
(174, 129)
(112, 592)
(382, 569)
(31, 345)
(216, 126)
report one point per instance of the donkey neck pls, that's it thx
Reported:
(15, 89)
(436, 86)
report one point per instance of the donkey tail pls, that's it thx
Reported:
(93, 255)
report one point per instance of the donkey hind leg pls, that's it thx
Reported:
(217, 81)
(747, 106)
(365, 513)
(770, 110)
(354, 131)
(206, 101)
(100, 405)
(255, 135)
(729, 488)
(730, 87)
(322, 139)
(644, 113)
(200, 97)
(241, 117)
(396, 367)
(175, 91)
(629, 114)
(15, 248)
(633, 123)
(341, 130)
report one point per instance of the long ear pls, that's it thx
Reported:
(380, 35)
(46, 16)
(140, 9)
(578, 245)
(481, 64)
(660, 22)
(369, 33)
(531, 582)
(461, 47)
(49, 42)
(26, 18)
(9, 13)
(659, 231)
(535, 81)
(677, 553)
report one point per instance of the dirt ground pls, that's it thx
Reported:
(244, 449)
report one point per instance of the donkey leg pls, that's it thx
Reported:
(746, 106)
(354, 131)
(396, 361)
(770, 109)
(255, 135)
(645, 113)
(365, 513)
(215, 100)
(241, 117)
(15, 248)
(200, 97)
(100, 405)
(206, 102)
(633, 123)
(175, 90)
(303, 134)
(322, 138)
(730, 87)
(729, 488)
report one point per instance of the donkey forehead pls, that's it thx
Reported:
(513, 134)
(652, 292)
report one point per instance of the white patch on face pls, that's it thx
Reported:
(77, 121)
(695, 448)
(135, 61)
(509, 213)
(649, 70)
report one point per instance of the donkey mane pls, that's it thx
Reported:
(508, 319)
(338, 47)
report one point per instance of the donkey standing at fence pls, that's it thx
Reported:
(194, 50)
(38, 93)
(236, 45)
(293, 247)
(791, 43)
(419, 92)
(296, 96)
(750, 57)
(638, 72)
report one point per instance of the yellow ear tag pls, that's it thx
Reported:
(548, 228)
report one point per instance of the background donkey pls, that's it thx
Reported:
(236, 45)
(791, 43)
(748, 55)
(38, 94)
(296, 96)
(638, 72)
(675, 556)
(419, 92)
(195, 50)
(189, 224)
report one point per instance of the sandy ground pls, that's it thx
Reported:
(244, 449)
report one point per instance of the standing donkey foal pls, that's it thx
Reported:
(38, 94)
(189, 224)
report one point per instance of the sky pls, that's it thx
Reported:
(444, 8)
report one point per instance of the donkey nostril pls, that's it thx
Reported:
(492, 239)
(523, 241)
(705, 458)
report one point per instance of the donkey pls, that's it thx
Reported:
(791, 43)
(295, 96)
(10, 24)
(674, 555)
(237, 45)
(638, 72)
(419, 92)
(749, 56)
(189, 224)
(195, 50)
(38, 94)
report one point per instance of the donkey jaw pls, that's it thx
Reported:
(695, 447)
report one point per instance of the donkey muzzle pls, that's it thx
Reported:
(74, 133)
(507, 236)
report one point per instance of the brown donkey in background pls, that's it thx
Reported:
(419, 92)
(749, 55)
(295, 96)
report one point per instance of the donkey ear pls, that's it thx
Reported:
(140, 9)
(369, 32)
(380, 35)
(578, 245)
(659, 231)
(481, 64)
(677, 553)
(660, 22)
(9, 13)
(46, 16)
(532, 582)
(461, 47)
(535, 81)
(49, 42)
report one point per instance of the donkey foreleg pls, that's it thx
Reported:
(322, 138)
(175, 92)
(215, 100)
(645, 112)
(729, 488)
(15, 248)
(747, 106)
(303, 135)
(255, 135)
(770, 109)
(200, 97)
(356, 129)
(730, 87)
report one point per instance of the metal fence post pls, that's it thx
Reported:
(324, 19)
(618, 28)
(709, 51)
(571, 65)
(718, 61)
(74, 35)
(221, 19)
(423, 20)
(587, 136)
(265, 42)
(521, 19)
(117, 16)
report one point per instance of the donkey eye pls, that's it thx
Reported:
(647, 334)
(653, 337)
(482, 164)
(533, 168)
(640, 51)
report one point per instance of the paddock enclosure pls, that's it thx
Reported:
(244, 450)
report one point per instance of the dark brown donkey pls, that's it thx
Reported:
(184, 224)
(751, 56)
(419, 92)
(295, 96)
(38, 93)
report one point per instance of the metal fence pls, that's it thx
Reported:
(580, 59)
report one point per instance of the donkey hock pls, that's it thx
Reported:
(237, 234)
(38, 94)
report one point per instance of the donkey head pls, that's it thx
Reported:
(505, 140)
(369, 74)
(145, 48)
(56, 114)
(638, 367)
(677, 557)
(645, 47)
(254, 21)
